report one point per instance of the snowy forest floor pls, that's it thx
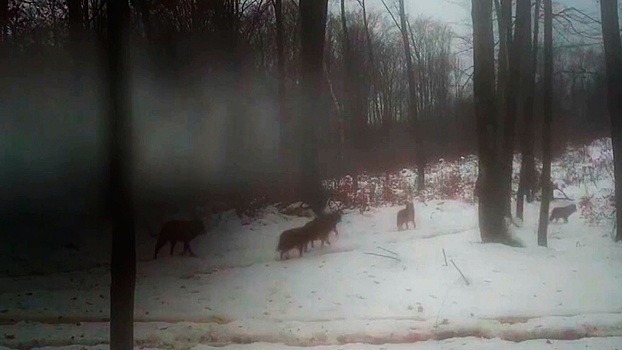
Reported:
(237, 293)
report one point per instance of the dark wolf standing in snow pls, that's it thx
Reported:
(562, 212)
(405, 216)
(293, 238)
(316, 229)
(321, 227)
(179, 230)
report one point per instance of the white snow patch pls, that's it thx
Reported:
(343, 294)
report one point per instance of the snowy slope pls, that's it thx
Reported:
(237, 291)
(238, 288)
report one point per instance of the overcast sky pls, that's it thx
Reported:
(458, 12)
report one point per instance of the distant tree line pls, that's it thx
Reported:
(210, 54)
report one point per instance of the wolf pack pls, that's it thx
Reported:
(299, 238)
(317, 229)
(320, 228)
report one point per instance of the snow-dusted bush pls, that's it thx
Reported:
(590, 165)
(597, 210)
(452, 180)
(586, 164)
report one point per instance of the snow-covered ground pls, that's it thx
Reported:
(237, 292)
(372, 288)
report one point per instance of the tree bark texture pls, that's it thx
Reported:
(526, 185)
(613, 57)
(4, 21)
(509, 97)
(123, 259)
(546, 125)
(348, 116)
(412, 103)
(312, 31)
(374, 70)
(285, 145)
(492, 228)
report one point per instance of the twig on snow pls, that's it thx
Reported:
(386, 250)
(461, 274)
(384, 256)
(445, 256)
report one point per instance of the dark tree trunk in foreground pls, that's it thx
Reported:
(515, 45)
(143, 8)
(613, 56)
(546, 125)
(76, 44)
(374, 71)
(123, 259)
(412, 105)
(76, 35)
(280, 57)
(285, 144)
(350, 98)
(312, 30)
(491, 225)
(4, 21)
(76, 27)
(503, 9)
(526, 185)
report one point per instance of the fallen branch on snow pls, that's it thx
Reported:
(384, 256)
(386, 250)
(461, 274)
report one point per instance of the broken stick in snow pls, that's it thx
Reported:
(386, 250)
(445, 256)
(461, 274)
(384, 256)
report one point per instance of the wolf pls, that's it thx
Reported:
(179, 230)
(321, 227)
(562, 212)
(405, 216)
(293, 238)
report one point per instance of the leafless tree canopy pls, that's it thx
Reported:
(216, 94)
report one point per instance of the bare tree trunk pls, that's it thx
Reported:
(312, 30)
(4, 21)
(412, 103)
(374, 70)
(347, 115)
(353, 116)
(123, 260)
(504, 24)
(613, 56)
(527, 171)
(546, 125)
(145, 16)
(508, 96)
(86, 16)
(280, 56)
(76, 38)
(385, 119)
(227, 44)
(75, 21)
(285, 145)
(492, 228)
